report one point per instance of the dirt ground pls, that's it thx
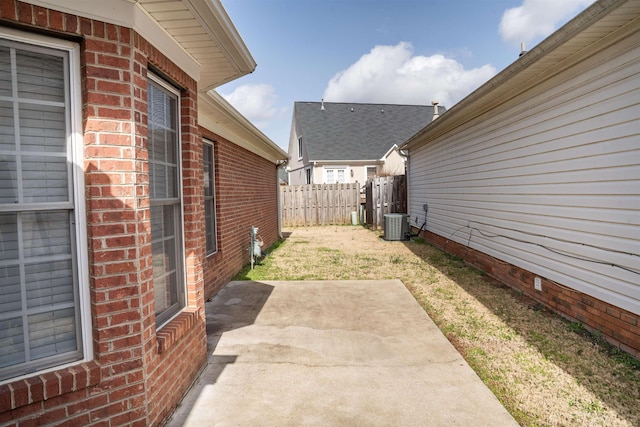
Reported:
(546, 371)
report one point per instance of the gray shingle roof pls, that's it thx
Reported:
(349, 131)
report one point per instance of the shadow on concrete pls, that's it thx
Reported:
(237, 305)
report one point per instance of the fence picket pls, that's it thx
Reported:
(319, 204)
(332, 204)
(385, 195)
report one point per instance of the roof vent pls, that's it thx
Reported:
(322, 105)
(522, 50)
(352, 109)
(436, 114)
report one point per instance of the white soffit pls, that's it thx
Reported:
(197, 35)
(221, 118)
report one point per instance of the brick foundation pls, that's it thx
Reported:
(619, 327)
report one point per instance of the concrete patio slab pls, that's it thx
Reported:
(331, 353)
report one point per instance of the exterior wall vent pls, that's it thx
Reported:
(396, 227)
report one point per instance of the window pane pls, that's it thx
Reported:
(40, 76)
(8, 180)
(172, 182)
(44, 179)
(158, 181)
(49, 283)
(52, 333)
(7, 131)
(207, 156)
(209, 198)
(210, 228)
(42, 128)
(11, 342)
(159, 294)
(46, 233)
(157, 147)
(10, 288)
(330, 178)
(5, 71)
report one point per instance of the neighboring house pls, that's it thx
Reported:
(535, 176)
(335, 142)
(127, 190)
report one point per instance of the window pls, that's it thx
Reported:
(307, 172)
(371, 172)
(299, 148)
(166, 207)
(334, 176)
(209, 197)
(44, 321)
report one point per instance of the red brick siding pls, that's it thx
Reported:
(621, 328)
(137, 377)
(245, 189)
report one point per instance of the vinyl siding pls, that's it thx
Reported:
(549, 181)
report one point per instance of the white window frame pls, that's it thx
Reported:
(211, 198)
(299, 148)
(77, 186)
(334, 171)
(180, 260)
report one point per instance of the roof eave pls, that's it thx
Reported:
(215, 20)
(514, 79)
(220, 58)
(220, 117)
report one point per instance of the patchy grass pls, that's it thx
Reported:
(545, 371)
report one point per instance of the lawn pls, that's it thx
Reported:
(545, 370)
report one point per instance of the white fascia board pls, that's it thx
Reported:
(221, 118)
(393, 147)
(347, 162)
(128, 13)
(213, 18)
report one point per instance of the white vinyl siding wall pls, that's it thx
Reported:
(549, 181)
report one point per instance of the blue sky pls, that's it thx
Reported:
(379, 51)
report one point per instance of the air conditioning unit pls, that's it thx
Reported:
(396, 227)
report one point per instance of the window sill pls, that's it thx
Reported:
(49, 385)
(176, 328)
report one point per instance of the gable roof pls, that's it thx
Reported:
(351, 131)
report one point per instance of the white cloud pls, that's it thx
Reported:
(257, 102)
(393, 75)
(537, 18)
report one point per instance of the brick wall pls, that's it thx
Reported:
(620, 327)
(138, 374)
(246, 188)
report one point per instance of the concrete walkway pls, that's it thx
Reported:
(331, 353)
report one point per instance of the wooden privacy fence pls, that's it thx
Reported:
(385, 194)
(319, 204)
